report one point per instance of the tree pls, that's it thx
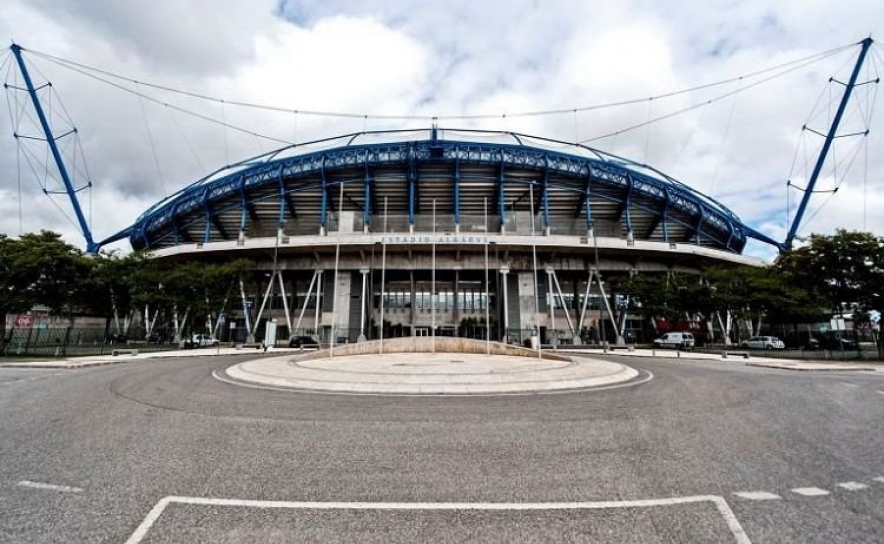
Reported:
(845, 270)
(13, 296)
(107, 291)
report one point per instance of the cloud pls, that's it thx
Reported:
(390, 57)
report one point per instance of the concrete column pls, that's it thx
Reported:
(412, 310)
(341, 317)
(456, 312)
(551, 306)
(527, 296)
(318, 303)
(363, 302)
(506, 310)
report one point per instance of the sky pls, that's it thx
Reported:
(740, 145)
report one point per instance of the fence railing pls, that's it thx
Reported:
(77, 341)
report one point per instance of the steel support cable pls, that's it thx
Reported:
(178, 108)
(697, 105)
(72, 149)
(865, 178)
(832, 192)
(851, 156)
(802, 142)
(181, 133)
(18, 153)
(727, 127)
(153, 147)
(689, 139)
(72, 64)
(6, 64)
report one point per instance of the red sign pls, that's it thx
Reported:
(24, 321)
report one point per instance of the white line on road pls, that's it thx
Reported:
(879, 479)
(881, 392)
(757, 495)
(849, 384)
(810, 491)
(852, 486)
(50, 487)
(724, 509)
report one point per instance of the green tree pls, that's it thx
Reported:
(845, 271)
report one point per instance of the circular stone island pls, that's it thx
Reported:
(420, 372)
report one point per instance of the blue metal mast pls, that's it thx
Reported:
(91, 246)
(799, 215)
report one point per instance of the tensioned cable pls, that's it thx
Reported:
(846, 163)
(849, 160)
(199, 163)
(153, 146)
(727, 128)
(178, 108)
(72, 65)
(698, 104)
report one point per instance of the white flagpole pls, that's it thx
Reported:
(433, 283)
(383, 278)
(487, 297)
(331, 352)
(534, 254)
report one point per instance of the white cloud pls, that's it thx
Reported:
(456, 57)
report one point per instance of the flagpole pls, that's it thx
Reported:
(534, 254)
(433, 283)
(487, 297)
(331, 352)
(383, 276)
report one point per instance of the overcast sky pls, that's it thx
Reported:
(397, 57)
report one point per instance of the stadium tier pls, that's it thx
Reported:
(410, 222)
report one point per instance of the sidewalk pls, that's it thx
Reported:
(752, 360)
(97, 360)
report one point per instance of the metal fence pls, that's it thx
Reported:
(77, 341)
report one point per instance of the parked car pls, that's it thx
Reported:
(156, 338)
(302, 342)
(200, 341)
(763, 342)
(675, 340)
(833, 343)
(117, 339)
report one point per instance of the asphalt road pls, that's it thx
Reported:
(705, 452)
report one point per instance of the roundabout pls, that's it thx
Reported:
(709, 451)
(429, 374)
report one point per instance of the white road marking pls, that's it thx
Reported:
(849, 384)
(740, 536)
(50, 487)
(852, 486)
(879, 479)
(757, 495)
(810, 491)
(881, 392)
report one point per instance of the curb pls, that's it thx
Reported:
(799, 369)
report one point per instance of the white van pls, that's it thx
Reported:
(675, 340)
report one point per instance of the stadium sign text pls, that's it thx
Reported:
(451, 239)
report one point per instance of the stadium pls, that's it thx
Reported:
(438, 231)
(441, 232)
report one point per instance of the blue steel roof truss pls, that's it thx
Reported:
(587, 176)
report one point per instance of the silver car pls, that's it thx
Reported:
(763, 342)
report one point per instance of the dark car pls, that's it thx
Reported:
(303, 342)
(156, 338)
(833, 343)
(117, 339)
